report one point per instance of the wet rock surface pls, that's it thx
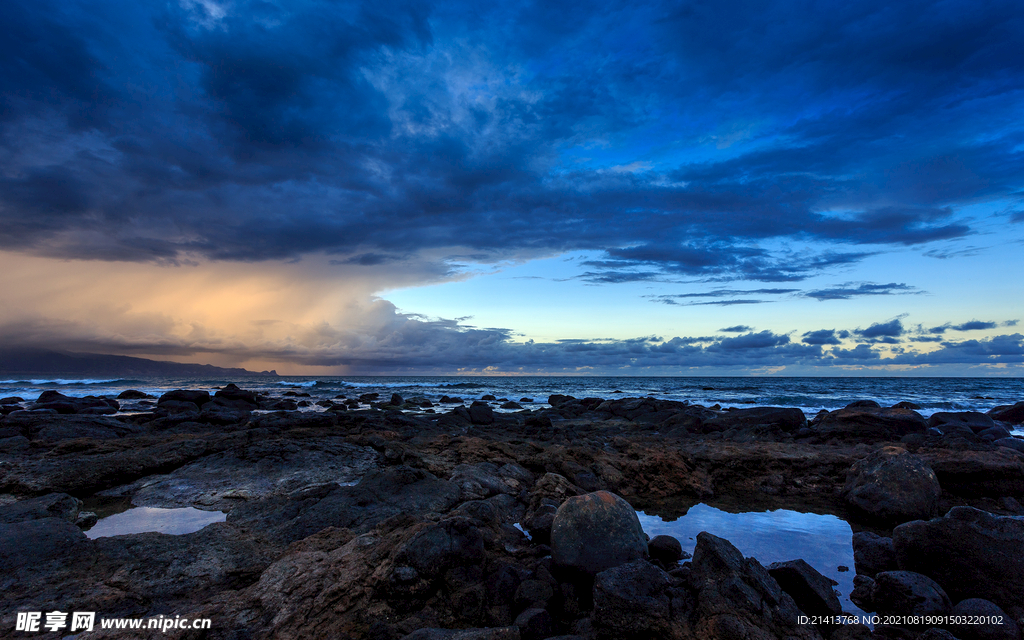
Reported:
(970, 552)
(375, 519)
(891, 485)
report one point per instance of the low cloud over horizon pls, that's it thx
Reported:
(265, 182)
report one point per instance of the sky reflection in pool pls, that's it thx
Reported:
(144, 519)
(825, 542)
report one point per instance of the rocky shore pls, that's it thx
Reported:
(439, 519)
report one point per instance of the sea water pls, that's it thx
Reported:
(809, 394)
(823, 541)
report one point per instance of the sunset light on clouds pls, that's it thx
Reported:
(404, 187)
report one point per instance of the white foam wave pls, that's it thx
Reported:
(309, 383)
(62, 381)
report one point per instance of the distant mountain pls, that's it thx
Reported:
(41, 362)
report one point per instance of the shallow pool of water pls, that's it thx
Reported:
(146, 519)
(824, 541)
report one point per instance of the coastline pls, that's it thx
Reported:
(351, 495)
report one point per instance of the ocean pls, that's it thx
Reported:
(809, 394)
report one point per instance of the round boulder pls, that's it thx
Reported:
(892, 485)
(596, 531)
(665, 548)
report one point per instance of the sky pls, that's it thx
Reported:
(612, 188)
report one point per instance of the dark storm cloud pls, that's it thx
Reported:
(851, 290)
(972, 325)
(891, 329)
(822, 336)
(740, 328)
(998, 349)
(683, 299)
(256, 130)
(860, 353)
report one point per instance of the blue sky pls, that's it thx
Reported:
(664, 188)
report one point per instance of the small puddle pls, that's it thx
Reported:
(823, 541)
(146, 519)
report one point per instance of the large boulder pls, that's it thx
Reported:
(633, 600)
(786, 419)
(481, 413)
(873, 554)
(233, 393)
(738, 598)
(199, 398)
(666, 549)
(909, 593)
(870, 423)
(962, 420)
(63, 404)
(977, 474)
(891, 485)
(1014, 414)
(970, 553)
(813, 592)
(595, 532)
(54, 505)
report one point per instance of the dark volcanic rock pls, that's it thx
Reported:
(486, 479)
(52, 428)
(481, 413)
(892, 485)
(493, 633)
(535, 624)
(54, 505)
(863, 404)
(60, 403)
(738, 598)
(909, 593)
(977, 473)
(596, 531)
(224, 411)
(786, 419)
(666, 549)
(868, 423)
(633, 600)
(976, 610)
(873, 554)
(443, 546)
(171, 407)
(812, 591)
(379, 495)
(133, 394)
(970, 553)
(1014, 414)
(972, 420)
(233, 393)
(183, 567)
(36, 545)
(1016, 444)
(199, 398)
(252, 471)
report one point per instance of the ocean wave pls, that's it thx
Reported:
(463, 385)
(378, 385)
(64, 381)
(309, 383)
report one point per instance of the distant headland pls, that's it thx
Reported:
(44, 362)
